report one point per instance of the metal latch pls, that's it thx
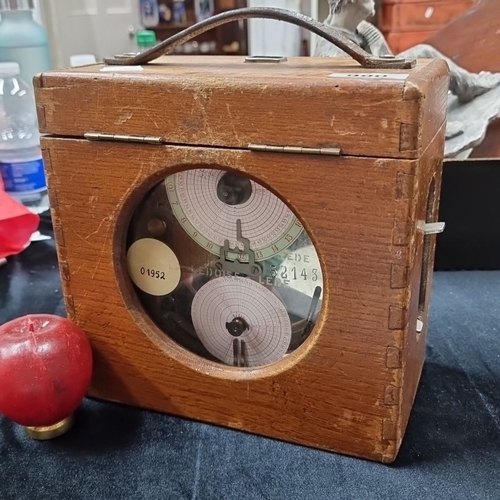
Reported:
(434, 227)
(144, 139)
(295, 150)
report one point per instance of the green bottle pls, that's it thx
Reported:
(145, 39)
(22, 39)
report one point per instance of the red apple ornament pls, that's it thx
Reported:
(45, 370)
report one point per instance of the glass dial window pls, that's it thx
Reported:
(224, 267)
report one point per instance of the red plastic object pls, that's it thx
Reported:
(17, 224)
(45, 369)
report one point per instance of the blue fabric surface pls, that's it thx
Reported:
(451, 449)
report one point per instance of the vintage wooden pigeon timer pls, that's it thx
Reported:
(249, 241)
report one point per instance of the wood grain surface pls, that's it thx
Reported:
(223, 101)
(350, 387)
(471, 40)
(342, 390)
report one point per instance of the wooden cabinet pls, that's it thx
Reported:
(406, 23)
(229, 39)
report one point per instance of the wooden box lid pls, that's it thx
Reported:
(224, 101)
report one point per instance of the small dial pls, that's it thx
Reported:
(241, 322)
(208, 203)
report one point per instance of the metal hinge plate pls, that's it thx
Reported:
(146, 139)
(295, 150)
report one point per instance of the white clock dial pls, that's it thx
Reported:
(223, 304)
(208, 202)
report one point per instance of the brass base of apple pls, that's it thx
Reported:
(50, 431)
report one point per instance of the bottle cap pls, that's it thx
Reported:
(82, 59)
(145, 38)
(9, 69)
(17, 5)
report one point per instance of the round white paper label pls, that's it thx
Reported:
(153, 266)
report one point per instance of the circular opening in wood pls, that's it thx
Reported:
(224, 268)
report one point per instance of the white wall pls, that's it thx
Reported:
(98, 27)
(268, 37)
(38, 12)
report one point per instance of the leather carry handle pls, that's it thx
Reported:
(330, 34)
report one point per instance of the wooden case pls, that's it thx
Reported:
(350, 386)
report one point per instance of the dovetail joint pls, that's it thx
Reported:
(64, 269)
(394, 358)
(389, 430)
(70, 306)
(399, 276)
(398, 317)
(391, 395)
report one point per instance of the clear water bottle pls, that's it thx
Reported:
(21, 164)
(22, 39)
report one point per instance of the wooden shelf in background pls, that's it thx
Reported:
(172, 26)
(223, 36)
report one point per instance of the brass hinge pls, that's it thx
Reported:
(147, 139)
(295, 150)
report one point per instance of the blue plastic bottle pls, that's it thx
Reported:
(150, 15)
(22, 39)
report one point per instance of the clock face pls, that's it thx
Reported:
(209, 204)
(224, 267)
